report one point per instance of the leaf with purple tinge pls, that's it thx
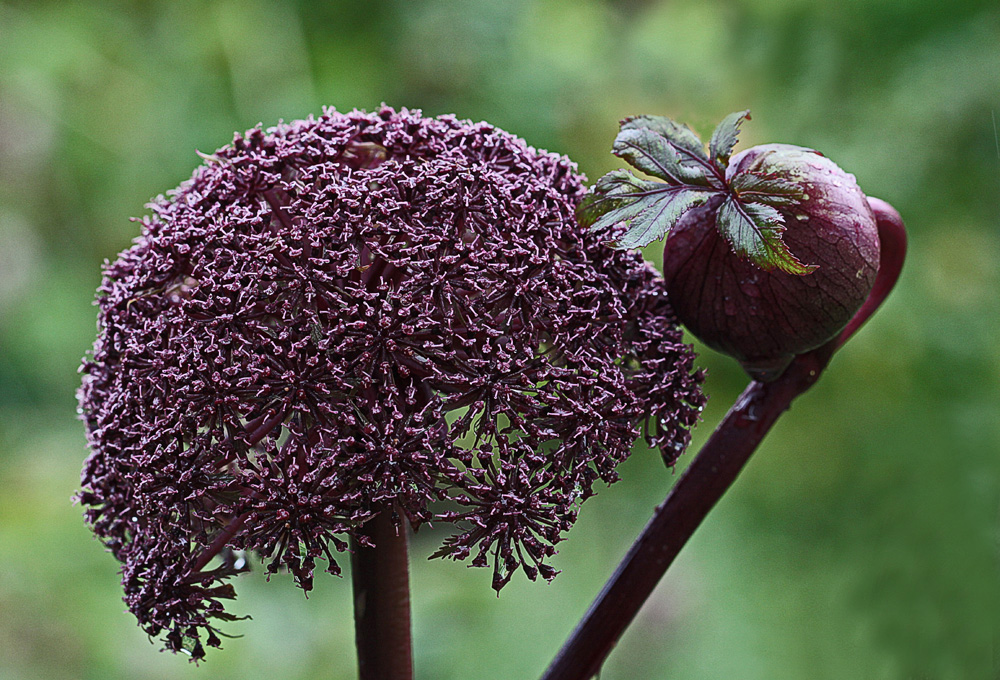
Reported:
(770, 188)
(674, 159)
(724, 138)
(647, 209)
(637, 212)
(753, 230)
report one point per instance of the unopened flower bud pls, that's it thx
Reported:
(764, 318)
(769, 253)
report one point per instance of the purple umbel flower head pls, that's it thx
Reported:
(362, 312)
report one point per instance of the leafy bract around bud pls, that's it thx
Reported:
(359, 312)
(746, 203)
(765, 318)
(768, 254)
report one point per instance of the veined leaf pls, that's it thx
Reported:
(754, 231)
(658, 214)
(681, 135)
(637, 211)
(660, 147)
(720, 148)
(642, 211)
(610, 193)
(770, 189)
(656, 155)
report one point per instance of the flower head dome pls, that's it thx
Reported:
(358, 312)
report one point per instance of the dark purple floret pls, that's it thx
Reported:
(364, 312)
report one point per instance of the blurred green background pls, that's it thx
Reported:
(861, 542)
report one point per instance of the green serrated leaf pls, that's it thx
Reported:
(638, 211)
(720, 148)
(607, 195)
(770, 189)
(655, 155)
(680, 135)
(665, 149)
(754, 232)
(655, 215)
(622, 183)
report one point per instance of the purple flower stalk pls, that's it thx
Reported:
(357, 314)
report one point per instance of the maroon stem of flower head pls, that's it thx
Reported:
(382, 601)
(708, 477)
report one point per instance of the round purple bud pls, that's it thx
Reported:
(764, 318)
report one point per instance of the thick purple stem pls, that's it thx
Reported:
(708, 477)
(382, 601)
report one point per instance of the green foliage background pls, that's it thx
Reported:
(861, 542)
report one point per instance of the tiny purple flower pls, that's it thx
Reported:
(357, 312)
